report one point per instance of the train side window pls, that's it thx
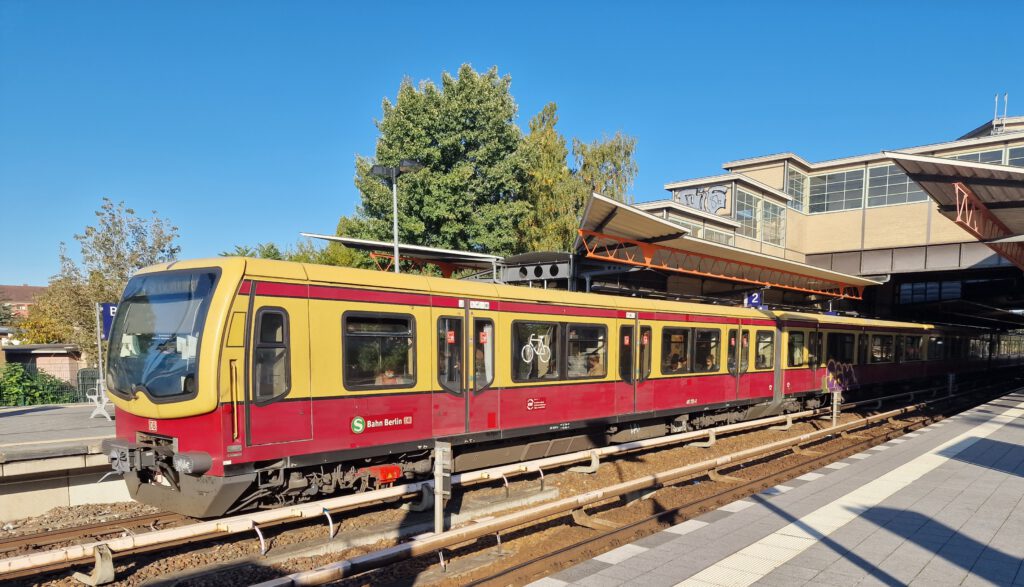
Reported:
(796, 349)
(483, 353)
(765, 350)
(587, 351)
(626, 353)
(378, 351)
(840, 347)
(862, 349)
(882, 350)
(706, 349)
(271, 363)
(741, 342)
(535, 351)
(675, 350)
(815, 349)
(912, 348)
(449, 353)
(646, 348)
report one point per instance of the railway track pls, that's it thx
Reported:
(97, 531)
(407, 559)
(153, 520)
(605, 540)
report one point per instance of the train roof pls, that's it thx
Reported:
(291, 271)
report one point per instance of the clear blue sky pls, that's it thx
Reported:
(240, 121)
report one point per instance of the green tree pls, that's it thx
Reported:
(607, 166)
(469, 194)
(556, 194)
(6, 314)
(120, 244)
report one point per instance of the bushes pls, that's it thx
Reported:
(22, 387)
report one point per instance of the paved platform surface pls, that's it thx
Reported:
(940, 506)
(39, 432)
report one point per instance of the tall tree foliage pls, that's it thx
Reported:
(607, 166)
(556, 194)
(115, 248)
(469, 194)
(484, 186)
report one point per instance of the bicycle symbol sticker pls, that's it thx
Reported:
(535, 348)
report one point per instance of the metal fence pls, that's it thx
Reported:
(24, 384)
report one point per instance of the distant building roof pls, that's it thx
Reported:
(20, 293)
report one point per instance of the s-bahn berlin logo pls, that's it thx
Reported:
(386, 422)
(358, 424)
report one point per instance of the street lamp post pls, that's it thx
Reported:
(390, 175)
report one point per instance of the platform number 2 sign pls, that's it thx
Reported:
(755, 300)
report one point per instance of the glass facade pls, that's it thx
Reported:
(889, 185)
(796, 186)
(773, 223)
(746, 214)
(1016, 157)
(718, 236)
(994, 157)
(843, 190)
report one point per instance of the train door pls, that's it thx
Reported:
(738, 359)
(463, 400)
(450, 405)
(633, 391)
(278, 400)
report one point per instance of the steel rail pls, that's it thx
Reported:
(434, 542)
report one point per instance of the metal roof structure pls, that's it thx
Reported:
(619, 233)
(446, 259)
(985, 200)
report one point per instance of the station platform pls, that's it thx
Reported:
(940, 506)
(51, 456)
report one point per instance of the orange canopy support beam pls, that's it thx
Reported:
(974, 216)
(616, 249)
(384, 263)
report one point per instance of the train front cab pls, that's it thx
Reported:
(162, 374)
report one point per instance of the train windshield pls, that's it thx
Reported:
(154, 342)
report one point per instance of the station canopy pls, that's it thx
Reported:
(383, 252)
(615, 232)
(985, 200)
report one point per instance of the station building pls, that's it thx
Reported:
(864, 216)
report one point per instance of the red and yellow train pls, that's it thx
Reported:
(245, 383)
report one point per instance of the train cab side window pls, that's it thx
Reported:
(765, 350)
(449, 353)
(912, 348)
(535, 351)
(743, 344)
(587, 351)
(271, 363)
(840, 347)
(796, 349)
(862, 349)
(675, 351)
(378, 351)
(882, 350)
(706, 350)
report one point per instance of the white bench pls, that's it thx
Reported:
(98, 397)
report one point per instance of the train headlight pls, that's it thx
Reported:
(192, 463)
